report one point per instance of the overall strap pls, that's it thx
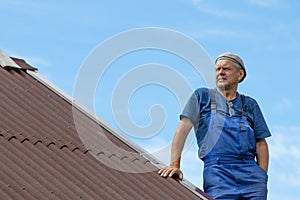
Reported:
(213, 103)
(244, 111)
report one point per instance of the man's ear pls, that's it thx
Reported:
(241, 75)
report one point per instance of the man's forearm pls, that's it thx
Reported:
(178, 141)
(181, 133)
(262, 154)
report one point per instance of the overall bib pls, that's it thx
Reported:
(230, 169)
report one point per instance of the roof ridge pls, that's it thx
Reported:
(7, 62)
(23, 64)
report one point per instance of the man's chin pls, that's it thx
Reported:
(221, 86)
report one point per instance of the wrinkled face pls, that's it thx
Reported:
(227, 74)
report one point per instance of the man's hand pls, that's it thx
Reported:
(171, 172)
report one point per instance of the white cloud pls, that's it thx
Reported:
(36, 61)
(27, 4)
(211, 9)
(285, 157)
(196, 2)
(218, 13)
(284, 104)
(213, 33)
(285, 142)
(266, 3)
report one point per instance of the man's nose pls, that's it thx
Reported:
(221, 71)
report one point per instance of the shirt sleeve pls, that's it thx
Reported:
(191, 110)
(260, 127)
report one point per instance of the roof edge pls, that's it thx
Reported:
(197, 191)
(7, 62)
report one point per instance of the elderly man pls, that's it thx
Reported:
(230, 131)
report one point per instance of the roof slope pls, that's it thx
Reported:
(42, 156)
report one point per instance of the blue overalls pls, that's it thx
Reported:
(228, 152)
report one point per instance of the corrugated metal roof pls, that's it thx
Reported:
(42, 156)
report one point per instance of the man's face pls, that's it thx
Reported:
(227, 75)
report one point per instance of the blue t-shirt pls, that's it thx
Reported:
(198, 110)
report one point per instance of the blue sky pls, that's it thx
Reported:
(57, 37)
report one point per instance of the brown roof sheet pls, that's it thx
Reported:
(42, 156)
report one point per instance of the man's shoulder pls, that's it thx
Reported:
(202, 94)
(249, 101)
(202, 90)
